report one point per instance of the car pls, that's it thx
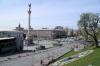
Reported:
(60, 44)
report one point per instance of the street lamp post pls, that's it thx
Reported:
(41, 57)
(37, 36)
(57, 51)
(32, 59)
(52, 54)
(61, 51)
(27, 47)
(48, 56)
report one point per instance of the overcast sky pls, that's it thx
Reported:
(45, 13)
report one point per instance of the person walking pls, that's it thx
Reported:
(41, 62)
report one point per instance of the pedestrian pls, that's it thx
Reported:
(41, 61)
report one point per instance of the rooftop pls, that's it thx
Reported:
(6, 38)
(10, 30)
(7, 30)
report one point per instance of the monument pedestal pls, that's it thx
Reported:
(29, 40)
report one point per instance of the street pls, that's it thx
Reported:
(33, 59)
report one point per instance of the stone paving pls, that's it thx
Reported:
(23, 61)
(46, 62)
(31, 58)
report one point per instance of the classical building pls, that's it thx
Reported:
(41, 33)
(47, 33)
(57, 32)
(19, 28)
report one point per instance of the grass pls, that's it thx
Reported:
(35, 39)
(55, 44)
(91, 59)
(73, 52)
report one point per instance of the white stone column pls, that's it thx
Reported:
(29, 25)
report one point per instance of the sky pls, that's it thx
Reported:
(45, 13)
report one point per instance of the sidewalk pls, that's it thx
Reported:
(20, 54)
(50, 60)
(46, 61)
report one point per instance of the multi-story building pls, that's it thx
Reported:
(58, 27)
(7, 44)
(40, 33)
(75, 32)
(18, 35)
(57, 32)
(19, 28)
(47, 33)
(70, 32)
(66, 30)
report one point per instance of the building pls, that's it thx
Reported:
(57, 32)
(18, 37)
(70, 32)
(75, 33)
(19, 28)
(40, 33)
(58, 27)
(66, 30)
(46, 33)
(7, 44)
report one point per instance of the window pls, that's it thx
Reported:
(2, 46)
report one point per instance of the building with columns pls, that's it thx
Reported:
(57, 32)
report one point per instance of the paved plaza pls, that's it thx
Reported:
(35, 57)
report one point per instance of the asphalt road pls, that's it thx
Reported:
(33, 59)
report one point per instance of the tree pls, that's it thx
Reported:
(89, 23)
(24, 35)
(79, 32)
(82, 33)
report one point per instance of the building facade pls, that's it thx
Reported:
(7, 44)
(57, 32)
(47, 33)
(18, 35)
(19, 28)
(40, 33)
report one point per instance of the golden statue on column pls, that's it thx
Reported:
(29, 38)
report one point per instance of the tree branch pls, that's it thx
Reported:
(87, 30)
(93, 31)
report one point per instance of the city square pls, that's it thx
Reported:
(34, 57)
(49, 33)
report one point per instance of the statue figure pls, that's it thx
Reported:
(29, 5)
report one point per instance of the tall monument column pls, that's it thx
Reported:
(29, 38)
(29, 12)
